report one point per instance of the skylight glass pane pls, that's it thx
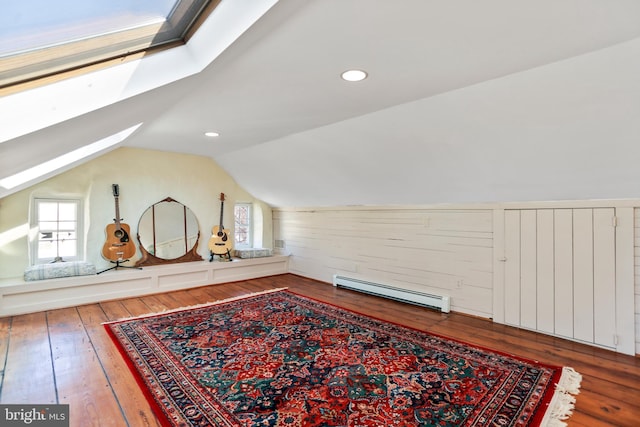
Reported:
(40, 38)
(35, 24)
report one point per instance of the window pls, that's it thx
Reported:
(58, 227)
(39, 38)
(242, 214)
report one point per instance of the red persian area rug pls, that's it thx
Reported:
(282, 359)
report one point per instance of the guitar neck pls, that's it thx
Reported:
(116, 192)
(221, 208)
(117, 218)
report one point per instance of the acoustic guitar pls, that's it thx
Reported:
(219, 243)
(118, 247)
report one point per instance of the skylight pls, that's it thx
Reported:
(67, 159)
(44, 37)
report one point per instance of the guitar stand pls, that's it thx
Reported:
(227, 256)
(117, 266)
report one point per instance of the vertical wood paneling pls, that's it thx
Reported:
(636, 276)
(499, 261)
(604, 277)
(625, 305)
(528, 268)
(563, 271)
(583, 274)
(512, 268)
(545, 315)
(568, 281)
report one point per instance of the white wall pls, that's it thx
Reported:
(145, 177)
(440, 251)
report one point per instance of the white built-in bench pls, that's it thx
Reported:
(18, 296)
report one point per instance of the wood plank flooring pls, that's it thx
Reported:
(65, 356)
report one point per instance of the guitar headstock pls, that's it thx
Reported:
(116, 190)
(222, 197)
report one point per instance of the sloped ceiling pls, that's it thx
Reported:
(466, 101)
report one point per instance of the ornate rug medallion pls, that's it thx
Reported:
(281, 359)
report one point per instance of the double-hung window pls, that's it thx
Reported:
(242, 215)
(58, 226)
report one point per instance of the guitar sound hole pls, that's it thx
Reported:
(118, 233)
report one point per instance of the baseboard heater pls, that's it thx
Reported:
(440, 302)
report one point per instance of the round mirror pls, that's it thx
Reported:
(168, 232)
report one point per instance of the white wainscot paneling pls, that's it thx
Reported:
(19, 297)
(431, 250)
(636, 214)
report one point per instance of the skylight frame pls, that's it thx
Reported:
(59, 61)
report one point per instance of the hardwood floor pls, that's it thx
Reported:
(65, 356)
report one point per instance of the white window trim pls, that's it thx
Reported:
(35, 231)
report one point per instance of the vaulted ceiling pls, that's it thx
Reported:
(465, 101)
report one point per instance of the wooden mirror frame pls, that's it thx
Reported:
(150, 259)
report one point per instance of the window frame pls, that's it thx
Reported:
(46, 64)
(35, 227)
(249, 225)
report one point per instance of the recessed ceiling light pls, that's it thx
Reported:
(354, 75)
(212, 134)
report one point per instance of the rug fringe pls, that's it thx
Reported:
(191, 307)
(563, 402)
